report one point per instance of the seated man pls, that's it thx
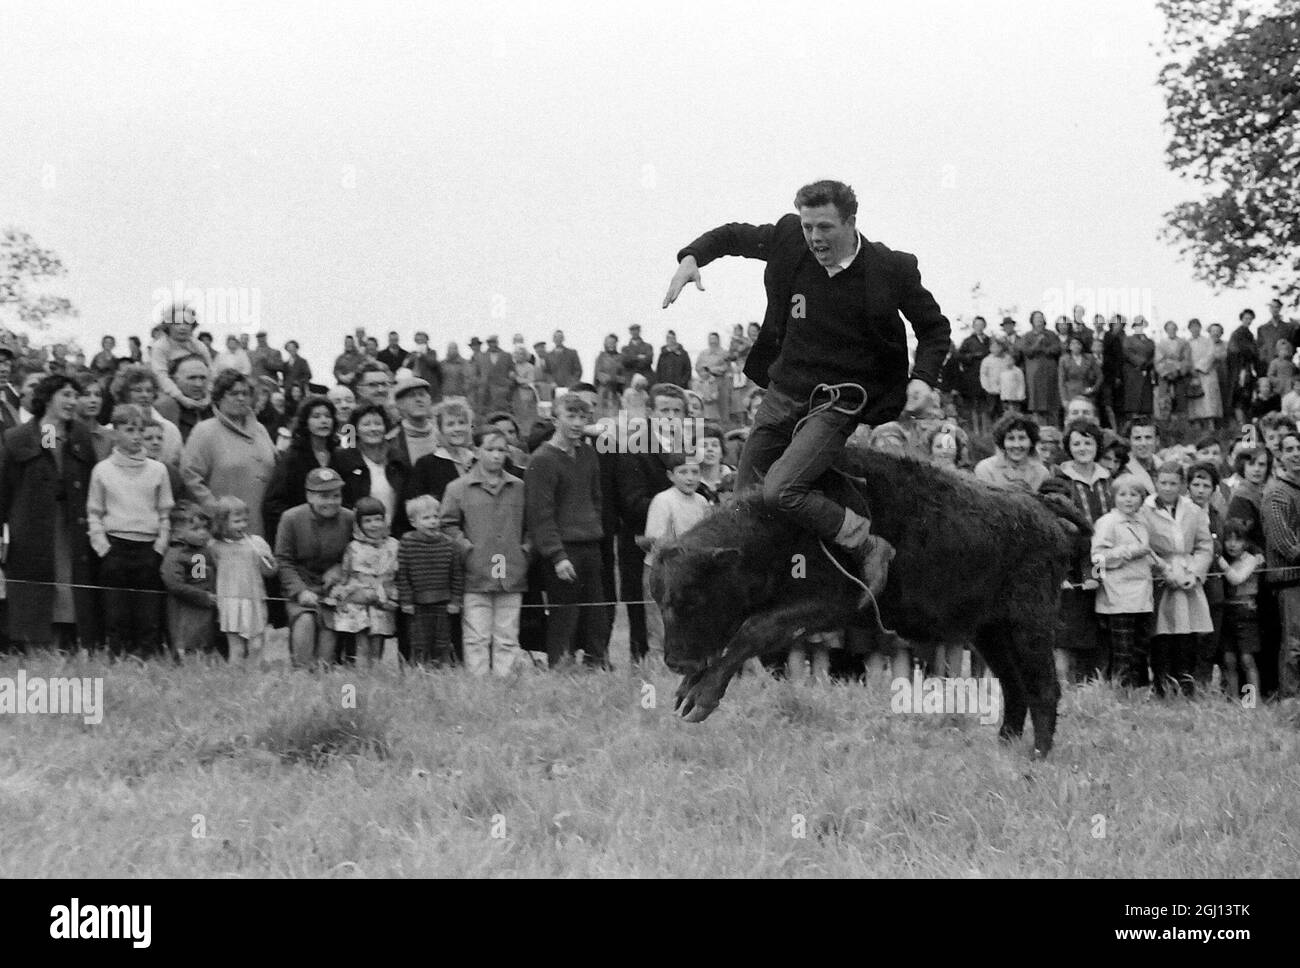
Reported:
(309, 544)
(833, 300)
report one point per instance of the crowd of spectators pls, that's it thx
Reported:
(185, 499)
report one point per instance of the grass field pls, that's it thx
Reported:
(217, 773)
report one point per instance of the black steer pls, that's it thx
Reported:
(974, 563)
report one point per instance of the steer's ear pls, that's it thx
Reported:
(726, 556)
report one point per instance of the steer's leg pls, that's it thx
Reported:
(699, 695)
(1042, 685)
(996, 644)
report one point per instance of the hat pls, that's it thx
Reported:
(407, 384)
(475, 341)
(634, 328)
(1008, 321)
(323, 479)
(494, 338)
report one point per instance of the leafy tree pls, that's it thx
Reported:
(1232, 92)
(23, 262)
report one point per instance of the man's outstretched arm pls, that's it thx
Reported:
(734, 238)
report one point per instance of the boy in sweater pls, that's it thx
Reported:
(128, 506)
(190, 576)
(563, 507)
(483, 514)
(430, 583)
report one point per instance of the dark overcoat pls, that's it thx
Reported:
(33, 492)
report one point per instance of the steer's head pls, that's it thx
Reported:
(702, 595)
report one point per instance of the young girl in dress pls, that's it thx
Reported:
(367, 595)
(243, 562)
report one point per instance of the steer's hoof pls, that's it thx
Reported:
(696, 714)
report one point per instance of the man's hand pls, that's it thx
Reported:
(920, 397)
(687, 271)
(565, 571)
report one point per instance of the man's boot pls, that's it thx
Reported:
(871, 552)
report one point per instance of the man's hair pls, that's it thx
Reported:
(1014, 421)
(1209, 440)
(175, 364)
(1092, 406)
(827, 192)
(372, 366)
(1141, 420)
(583, 388)
(667, 390)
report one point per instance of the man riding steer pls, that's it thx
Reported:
(832, 353)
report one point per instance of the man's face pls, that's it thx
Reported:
(1080, 410)
(1291, 454)
(507, 427)
(558, 339)
(25, 392)
(1275, 309)
(326, 504)
(192, 378)
(344, 403)
(375, 387)
(349, 344)
(829, 237)
(978, 327)
(666, 406)
(393, 339)
(1142, 442)
(1168, 487)
(416, 405)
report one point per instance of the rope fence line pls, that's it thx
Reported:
(4, 581)
(277, 598)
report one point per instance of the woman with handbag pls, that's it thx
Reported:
(1173, 364)
(1204, 403)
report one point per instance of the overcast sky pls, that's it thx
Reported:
(514, 167)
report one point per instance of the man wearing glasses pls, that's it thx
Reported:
(374, 384)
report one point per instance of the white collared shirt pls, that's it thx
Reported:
(840, 266)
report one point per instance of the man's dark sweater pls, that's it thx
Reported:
(823, 329)
(562, 499)
(1280, 510)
